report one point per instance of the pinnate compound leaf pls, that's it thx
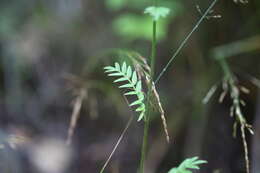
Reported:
(132, 83)
(157, 12)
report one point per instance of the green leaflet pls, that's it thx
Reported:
(157, 12)
(190, 163)
(131, 82)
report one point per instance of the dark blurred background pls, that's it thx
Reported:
(52, 53)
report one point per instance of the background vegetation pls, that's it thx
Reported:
(51, 69)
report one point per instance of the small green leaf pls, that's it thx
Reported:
(141, 116)
(121, 79)
(139, 86)
(134, 78)
(109, 68)
(109, 71)
(130, 93)
(137, 102)
(140, 108)
(157, 12)
(124, 68)
(128, 85)
(140, 95)
(115, 74)
(129, 72)
(117, 66)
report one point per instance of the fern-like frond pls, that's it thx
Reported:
(131, 82)
(190, 163)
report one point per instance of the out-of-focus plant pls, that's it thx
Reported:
(230, 86)
(136, 26)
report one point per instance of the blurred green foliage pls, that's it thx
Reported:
(132, 26)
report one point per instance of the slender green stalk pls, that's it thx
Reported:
(227, 72)
(186, 40)
(147, 114)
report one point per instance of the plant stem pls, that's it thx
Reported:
(117, 144)
(226, 70)
(148, 113)
(235, 96)
(186, 40)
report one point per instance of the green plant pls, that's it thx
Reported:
(137, 26)
(125, 74)
(187, 164)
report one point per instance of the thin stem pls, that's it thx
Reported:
(226, 70)
(242, 128)
(153, 51)
(144, 145)
(118, 141)
(185, 40)
(147, 120)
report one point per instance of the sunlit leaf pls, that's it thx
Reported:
(117, 66)
(134, 78)
(115, 74)
(124, 67)
(120, 79)
(128, 85)
(157, 12)
(139, 86)
(129, 72)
